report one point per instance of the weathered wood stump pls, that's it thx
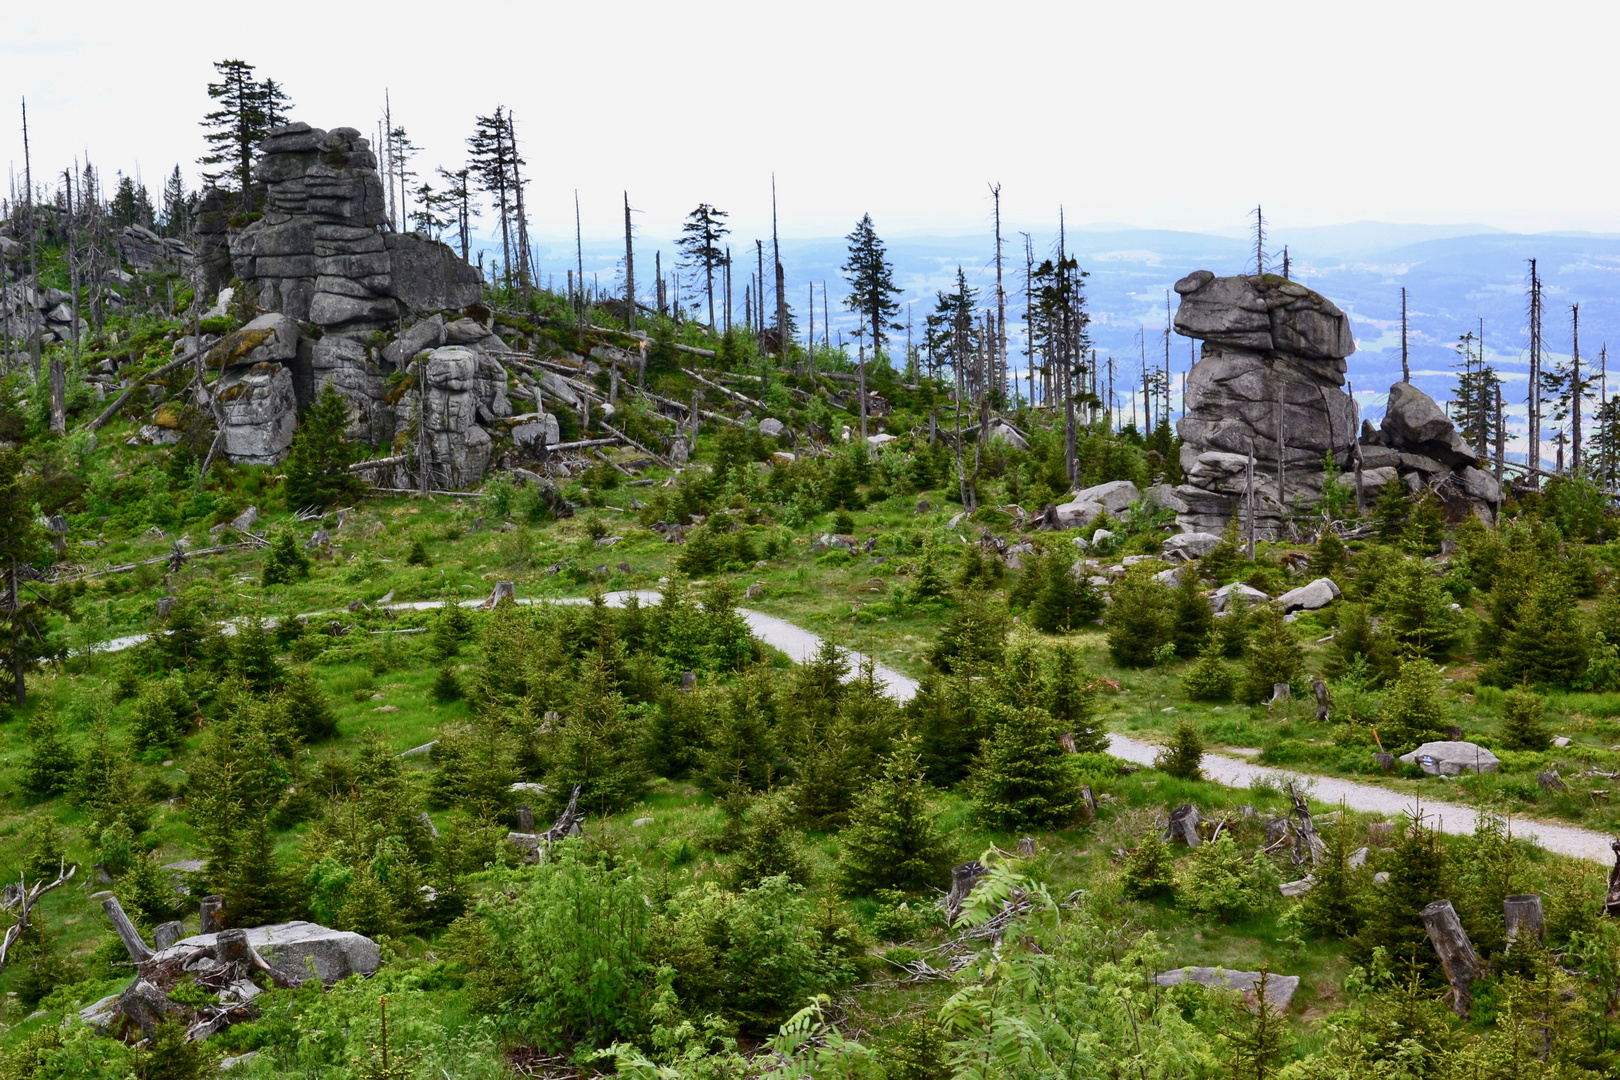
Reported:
(1088, 799)
(1321, 699)
(1550, 780)
(211, 915)
(167, 934)
(427, 822)
(1385, 761)
(505, 592)
(1281, 692)
(146, 1006)
(1183, 825)
(131, 937)
(1524, 918)
(963, 878)
(688, 680)
(525, 816)
(1026, 847)
(1611, 906)
(231, 946)
(1456, 953)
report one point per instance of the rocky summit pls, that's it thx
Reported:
(1269, 388)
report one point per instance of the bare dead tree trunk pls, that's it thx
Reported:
(1456, 953)
(137, 948)
(629, 269)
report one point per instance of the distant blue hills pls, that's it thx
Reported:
(1454, 275)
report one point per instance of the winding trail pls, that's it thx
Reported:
(800, 644)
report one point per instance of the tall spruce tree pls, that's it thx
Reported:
(493, 162)
(25, 598)
(246, 111)
(700, 242)
(871, 283)
(1274, 656)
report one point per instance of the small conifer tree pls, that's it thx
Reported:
(1391, 510)
(446, 685)
(1150, 870)
(1328, 558)
(147, 893)
(1209, 679)
(317, 466)
(894, 841)
(1139, 622)
(1223, 562)
(1353, 637)
(255, 654)
(1522, 720)
(284, 563)
(1181, 757)
(769, 847)
(929, 581)
(1274, 656)
(1233, 630)
(417, 555)
(1413, 713)
(162, 714)
(1425, 526)
(1192, 616)
(1071, 699)
(307, 711)
(1548, 646)
(1064, 600)
(1334, 906)
(52, 761)
(252, 887)
(1024, 778)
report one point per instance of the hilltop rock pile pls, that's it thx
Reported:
(1269, 384)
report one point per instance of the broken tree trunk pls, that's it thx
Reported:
(1321, 699)
(131, 937)
(1611, 906)
(1456, 953)
(1524, 918)
(1308, 844)
(567, 821)
(167, 934)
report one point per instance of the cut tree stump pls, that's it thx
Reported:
(146, 1006)
(211, 915)
(1524, 918)
(505, 591)
(1088, 799)
(1611, 906)
(963, 878)
(1026, 847)
(167, 934)
(1321, 699)
(525, 816)
(1183, 825)
(1456, 953)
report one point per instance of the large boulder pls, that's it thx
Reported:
(1415, 424)
(425, 275)
(424, 335)
(1449, 758)
(1001, 431)
(1263, 314)
(1116, 495)
(1223, 596)
(271, 337)
(1317, 594)
(1079, 513)
(261, 412)
(1280, 989)
(1194, 545)
(300, 949)
(458, 449)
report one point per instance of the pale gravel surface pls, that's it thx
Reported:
(799, 644)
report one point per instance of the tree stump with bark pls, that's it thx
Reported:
(1524, 918)
(1184, 822)
(963, 878)
(211, 914)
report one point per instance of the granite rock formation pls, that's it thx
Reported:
(353, 305)
(1269, 384)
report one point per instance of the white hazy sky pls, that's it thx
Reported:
(1163, 114)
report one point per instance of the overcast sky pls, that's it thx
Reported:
(1162, 114)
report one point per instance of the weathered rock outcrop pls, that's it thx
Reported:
(1269, 387)
(1269, 383)
(320, 255)
(453, 388)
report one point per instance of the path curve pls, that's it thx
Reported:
(800, 644)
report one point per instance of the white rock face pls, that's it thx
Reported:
(1280, 989)
(1452, 758)
(1317, 594)
(1001, 432)
(1222, 596)
(1116, 495)
(771, 427)
(1193, 545)
(294, 946)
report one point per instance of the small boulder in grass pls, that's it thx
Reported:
(1452, 758)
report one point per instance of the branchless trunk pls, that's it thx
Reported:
(1456, 953)
(1524, 918)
